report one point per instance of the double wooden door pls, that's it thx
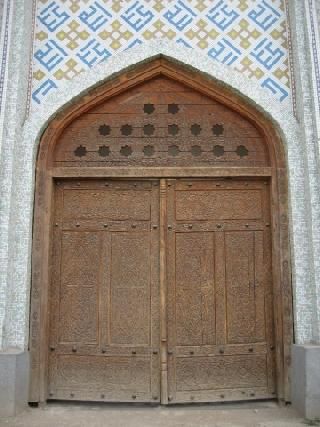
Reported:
(161, 291)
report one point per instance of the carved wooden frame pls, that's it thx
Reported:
(46, 173)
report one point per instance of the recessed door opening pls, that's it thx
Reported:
(161, 269)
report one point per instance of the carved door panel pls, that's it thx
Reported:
(104, 295)
(220, 330)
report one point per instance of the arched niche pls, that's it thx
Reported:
(160, 120)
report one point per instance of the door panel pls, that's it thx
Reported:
(105, 293)
(210, 373)
(112, 204)
(195, 320)
(220, 336)
(208, 205)
(244, 293)
(130, 289)
(104, 330)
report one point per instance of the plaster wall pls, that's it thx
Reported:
(14, 101)
(307, 100)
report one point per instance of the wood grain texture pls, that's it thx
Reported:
(161, 123)
(104, 305)
(185, 154)
(219, 277)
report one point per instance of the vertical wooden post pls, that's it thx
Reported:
(42, 255)
(163, 293)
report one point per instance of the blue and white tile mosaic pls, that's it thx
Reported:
(73, 35)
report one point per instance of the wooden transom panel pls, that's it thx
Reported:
(160, 123)
(105, 305)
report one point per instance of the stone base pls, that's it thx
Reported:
(305, 378)
(14, 381)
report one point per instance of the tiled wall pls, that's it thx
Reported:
(5, 7)
(74, 35)
(1, 12)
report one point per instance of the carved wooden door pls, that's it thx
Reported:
(105, 293)
(220, 330)
(104, 302)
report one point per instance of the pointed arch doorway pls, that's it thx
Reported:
(158, 250)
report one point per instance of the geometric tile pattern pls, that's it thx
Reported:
(74, 35)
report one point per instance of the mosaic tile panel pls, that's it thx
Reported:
(74, 35)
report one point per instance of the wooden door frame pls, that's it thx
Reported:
(46, 174)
